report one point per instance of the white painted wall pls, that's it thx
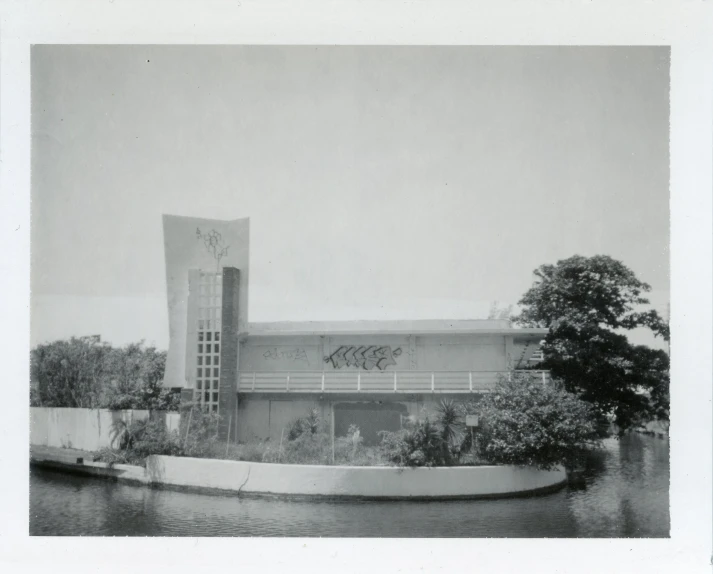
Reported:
(426, 353)
(84, 429)
(296, 480)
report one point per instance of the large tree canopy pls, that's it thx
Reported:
(587, 303)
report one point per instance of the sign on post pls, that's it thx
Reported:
(471, 420)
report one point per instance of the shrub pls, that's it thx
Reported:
(308, 448)
(527, 423)
(429, 442)
(134, 441)
(253, 452)
(449, 417)
(113, 456)
(312, 423)
(420, 443)
(199, 433)
(305, 442)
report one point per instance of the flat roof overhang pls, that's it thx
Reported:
(318, 328)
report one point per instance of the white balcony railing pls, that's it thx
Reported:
(375, 382)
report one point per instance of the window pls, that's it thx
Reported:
(210, 298)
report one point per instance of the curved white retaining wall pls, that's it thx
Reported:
(342, 481)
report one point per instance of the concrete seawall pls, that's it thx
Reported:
(80, 462)
(266, 479)
(349, 481)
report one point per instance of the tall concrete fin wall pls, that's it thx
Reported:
(229, 350)
(196, 243)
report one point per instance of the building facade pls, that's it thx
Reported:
(261, 376)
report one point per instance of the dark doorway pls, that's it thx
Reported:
(369, 417)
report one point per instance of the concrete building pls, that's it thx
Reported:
(261, 376)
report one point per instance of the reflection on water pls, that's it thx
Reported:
(625, 495)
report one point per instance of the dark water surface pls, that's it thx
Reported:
(626, 495)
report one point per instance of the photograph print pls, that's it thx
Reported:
(350, 291)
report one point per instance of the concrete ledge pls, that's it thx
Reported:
(251, 478)
(80, 462)
(313, 481)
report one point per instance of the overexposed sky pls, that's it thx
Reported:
(381, 182)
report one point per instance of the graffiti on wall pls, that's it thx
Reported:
(213, 242)
(276, 354)
(363, 357)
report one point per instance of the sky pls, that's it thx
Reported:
(380, 182)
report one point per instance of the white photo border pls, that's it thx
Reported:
(685, 26)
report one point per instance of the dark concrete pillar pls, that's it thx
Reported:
(229, 351)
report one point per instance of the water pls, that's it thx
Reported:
(625, 495)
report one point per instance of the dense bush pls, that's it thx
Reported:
(69, 373)
(86, 373)
(134, 380)
(527, 423)
(419, 444)
(440, 440)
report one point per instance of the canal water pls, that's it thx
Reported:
(625, 495)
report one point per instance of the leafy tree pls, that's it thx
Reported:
(523, 422)
(83, 372)
(69, 373)
(586, 303)
(135, 379)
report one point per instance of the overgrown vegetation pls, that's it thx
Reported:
(521, 423)
(306, 441)
(197, 436)
(86, 373)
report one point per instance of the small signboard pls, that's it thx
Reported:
(471, 420)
